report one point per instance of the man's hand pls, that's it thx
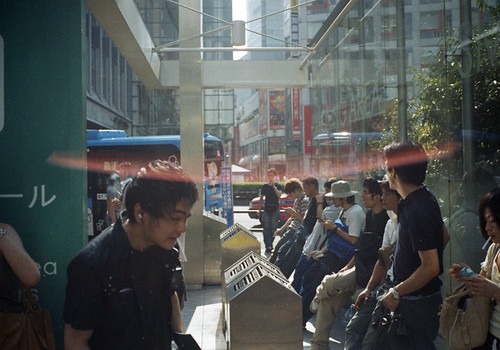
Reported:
(362, 298)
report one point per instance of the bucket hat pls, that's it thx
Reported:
(341, 189)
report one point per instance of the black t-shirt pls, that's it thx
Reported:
(311, 215)
(272, 201)
(123, 295)
(420, 228)
(370, 241)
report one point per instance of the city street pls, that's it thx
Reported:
(249, 223)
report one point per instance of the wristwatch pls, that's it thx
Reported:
(3, 232)
(394, 293)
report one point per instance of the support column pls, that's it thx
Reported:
(192, 127)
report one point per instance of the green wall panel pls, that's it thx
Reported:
(44, 109)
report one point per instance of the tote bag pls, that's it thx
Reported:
(464, 319)
(28, 330)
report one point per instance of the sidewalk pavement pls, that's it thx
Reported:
(203, 318)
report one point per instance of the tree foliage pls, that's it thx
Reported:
(435, 112)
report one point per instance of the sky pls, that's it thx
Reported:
(239, 9)
(239, 13)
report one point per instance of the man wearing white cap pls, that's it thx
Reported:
(344, 234)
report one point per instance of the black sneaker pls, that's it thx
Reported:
(269, 249)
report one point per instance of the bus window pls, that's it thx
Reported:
(344, 154)
(107, 149)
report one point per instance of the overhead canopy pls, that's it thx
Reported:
(237, 170)
(277, 158)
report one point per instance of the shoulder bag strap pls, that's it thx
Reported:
(493, 261)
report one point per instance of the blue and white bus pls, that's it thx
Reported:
(108, 149)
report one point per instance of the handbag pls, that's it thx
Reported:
(391, 332)
(28, 330)
(185, 341)
(464, 319)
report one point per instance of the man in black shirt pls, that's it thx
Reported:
(271, 191)
(120, 292)
(418, 258)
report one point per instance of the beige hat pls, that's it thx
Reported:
(341, 189)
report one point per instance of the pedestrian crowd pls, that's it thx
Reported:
(380, 266)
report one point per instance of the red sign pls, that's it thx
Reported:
(307, 129)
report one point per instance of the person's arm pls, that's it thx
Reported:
(12, 249)
(261, 202)
(177, 322)
(344, 235)
(428, 269)
(277, 191)
(446, 236)
(349, 265)
(319, 205)
(75, 339)
(378, 274)
(280, 230)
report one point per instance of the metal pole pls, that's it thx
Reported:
(402, 93)
(468, 98)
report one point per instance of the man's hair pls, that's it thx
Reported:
(328, 184)
(292, 185)
(490, 200)
(158, 188)
(311, 180)
(350, 199)
(372, 185)
(272, 170)
(384, 186)
(409, 161)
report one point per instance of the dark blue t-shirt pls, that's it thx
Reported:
(420, 228)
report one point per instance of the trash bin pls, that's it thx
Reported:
(213, 225)
(238, 269)
(236, 242)
(263, 311)
(246, 262)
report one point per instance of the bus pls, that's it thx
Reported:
(344, 154)
(108, 150)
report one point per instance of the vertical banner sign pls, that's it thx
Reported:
(307, 129)
(294, 30)
(277, 109)
(227, 195)
(296, 114)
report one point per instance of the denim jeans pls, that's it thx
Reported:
(270, 222)
(303, 265)
(421, 318)
(358, 325)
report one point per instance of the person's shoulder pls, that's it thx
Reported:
(356, 208)
(97, 250)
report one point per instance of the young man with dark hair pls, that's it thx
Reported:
(120, 292)
(295, 189)
(418, 258)
(289, 254)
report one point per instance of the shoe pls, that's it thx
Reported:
(269, 249)
(314, 305)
